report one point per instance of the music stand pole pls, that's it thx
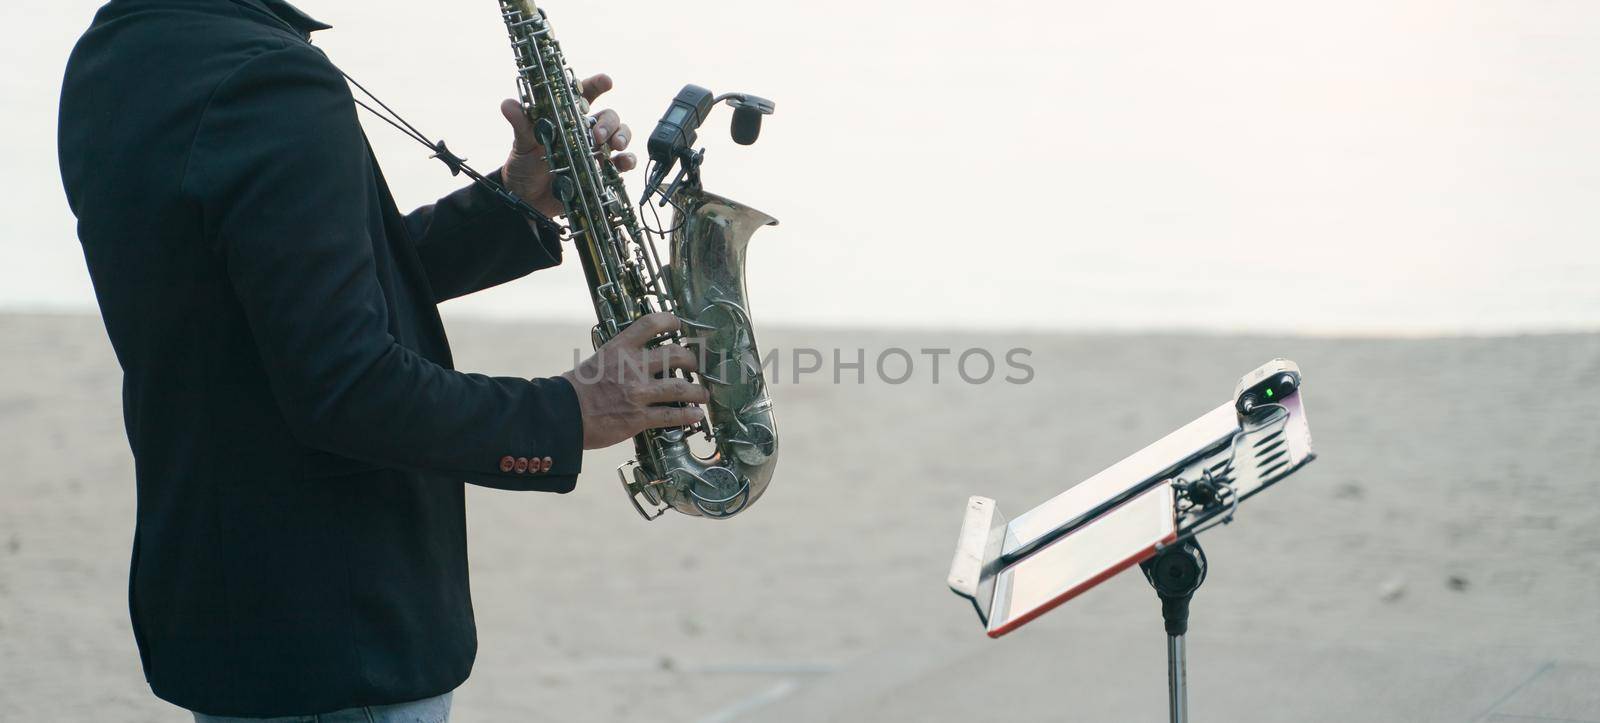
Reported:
(1177, 691)
(1176, 573)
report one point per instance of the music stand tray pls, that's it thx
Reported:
(1144, 510)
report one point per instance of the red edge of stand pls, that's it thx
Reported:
(1077, 590)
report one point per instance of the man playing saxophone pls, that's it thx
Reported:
(300, 434)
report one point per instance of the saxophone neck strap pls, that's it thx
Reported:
(458, 166)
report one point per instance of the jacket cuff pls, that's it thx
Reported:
(555, 454)
(542, 234)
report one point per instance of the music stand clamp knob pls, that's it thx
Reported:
(1176, 573)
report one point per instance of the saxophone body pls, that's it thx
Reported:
(702, 283)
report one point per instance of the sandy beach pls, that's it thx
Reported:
(1440, 561)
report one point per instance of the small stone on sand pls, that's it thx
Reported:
(1392, 589)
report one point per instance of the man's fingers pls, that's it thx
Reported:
(669, 358)
(617, 141)
(606, 123)
(674, 390)
(668, 417)
(594, 86)
(522, 128)
(645, 328)
(620, 137)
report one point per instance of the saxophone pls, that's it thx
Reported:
(702, 284)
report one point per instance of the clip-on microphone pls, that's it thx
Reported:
(747, 112)
(675, 134)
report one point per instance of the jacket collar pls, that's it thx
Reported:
(287, 14)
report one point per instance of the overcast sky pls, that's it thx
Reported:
(1377, 166)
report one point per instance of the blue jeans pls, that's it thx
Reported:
(431, 710)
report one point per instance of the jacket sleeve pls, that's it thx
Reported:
(280, 170)
(470, 241)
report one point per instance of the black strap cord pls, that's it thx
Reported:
(457, 165)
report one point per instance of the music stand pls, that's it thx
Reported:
(1146, 509)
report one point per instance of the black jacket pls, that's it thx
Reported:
(299, 435)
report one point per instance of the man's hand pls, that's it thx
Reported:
(619, 390)
(526, 173)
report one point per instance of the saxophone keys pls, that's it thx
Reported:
(719, 492)
(564, 188)
(752, 365)
(545, 132)
(641, 488)
(696, 325)
(755, 406)
(726, 372)
(725, 332)
(754, 445)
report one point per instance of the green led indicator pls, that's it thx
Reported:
(1269, 392)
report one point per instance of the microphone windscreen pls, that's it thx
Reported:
(746, 125)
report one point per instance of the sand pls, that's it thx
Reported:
(1440, 561)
